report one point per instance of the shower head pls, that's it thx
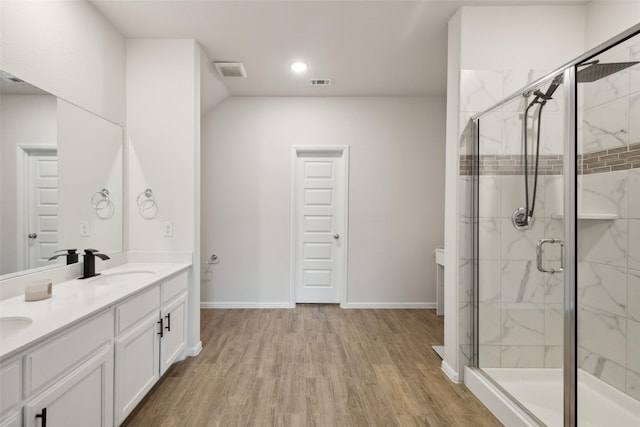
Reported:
(557, 81)
(596, 71)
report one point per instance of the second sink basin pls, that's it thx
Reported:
(11, 325)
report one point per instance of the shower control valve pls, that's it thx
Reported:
(522, 219)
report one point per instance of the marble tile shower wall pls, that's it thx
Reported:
(520, 309)
(609, 250)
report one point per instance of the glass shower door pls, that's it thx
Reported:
(519, 235)
(608, 237)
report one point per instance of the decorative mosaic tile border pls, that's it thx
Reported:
(616, 159)
(511, 164)
(604, 161)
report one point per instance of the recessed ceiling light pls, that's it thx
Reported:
(299, 67)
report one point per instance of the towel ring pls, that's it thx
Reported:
(147, 205)
(101, 203)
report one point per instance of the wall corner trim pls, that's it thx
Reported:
(452, 374)
(195, 350)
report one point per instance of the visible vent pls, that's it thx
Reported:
(10, 78)
(230, 69)
(320, 82)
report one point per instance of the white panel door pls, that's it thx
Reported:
(42, 232)
(320, 226)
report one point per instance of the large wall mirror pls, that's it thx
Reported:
(61, 179)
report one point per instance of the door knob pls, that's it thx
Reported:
(336, 236)
(32, 235)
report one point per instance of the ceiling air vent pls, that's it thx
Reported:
(320, 82)
(230, 69)
(8, 77)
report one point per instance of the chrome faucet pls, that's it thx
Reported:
(89, 267)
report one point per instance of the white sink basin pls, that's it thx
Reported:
(119, 277)
(11, 325)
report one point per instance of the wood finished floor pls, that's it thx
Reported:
(315, 365)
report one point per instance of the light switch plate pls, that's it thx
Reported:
(84, 229)
(167, 228)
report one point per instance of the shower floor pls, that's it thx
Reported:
(541, 392)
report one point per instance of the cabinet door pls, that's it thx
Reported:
(174, 339)
(10, 388)
(82, 398)
(137, 365)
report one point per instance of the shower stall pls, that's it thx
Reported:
(555, 222)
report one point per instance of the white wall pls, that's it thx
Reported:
(515, 37)
(163, 136)
(66, 48)
(605, 19)
(24, 119)
(396, 195)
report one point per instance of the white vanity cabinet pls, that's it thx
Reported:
(95, 364)
(68, 379)
(11, 393)
(174, 321)
(151, 335)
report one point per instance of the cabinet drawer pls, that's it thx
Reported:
(137, 308)
(10, 385)
(64, 352)
(173, 287)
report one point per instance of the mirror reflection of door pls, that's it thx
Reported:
(42, 208)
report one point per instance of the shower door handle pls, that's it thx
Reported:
(539, 246)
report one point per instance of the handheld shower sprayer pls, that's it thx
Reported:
(523, 218)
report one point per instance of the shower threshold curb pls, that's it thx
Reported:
(495, 400)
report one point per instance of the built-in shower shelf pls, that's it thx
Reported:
(596, 216)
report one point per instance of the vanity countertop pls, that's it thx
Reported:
(75, 300)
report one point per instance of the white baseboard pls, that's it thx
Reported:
(453, 375)
(211, 304)
(195, 350)
(351, 305)
(390, 305)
